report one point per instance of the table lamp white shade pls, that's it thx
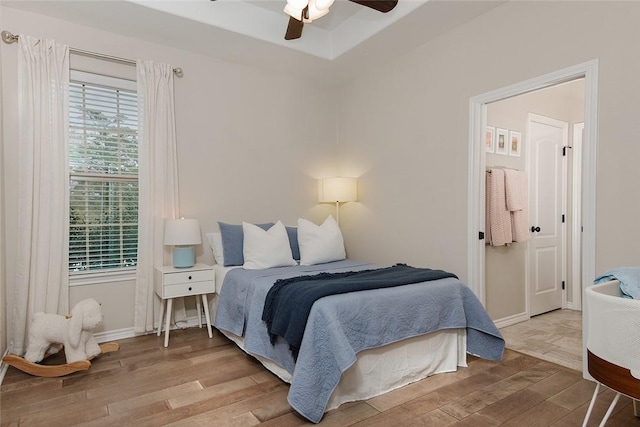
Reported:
(183, 234)
(337, 190)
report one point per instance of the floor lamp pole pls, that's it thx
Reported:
(338, 213)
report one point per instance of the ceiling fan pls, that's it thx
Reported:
(301, 11)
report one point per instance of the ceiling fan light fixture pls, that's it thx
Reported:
(292, 12)
(309, 11)
(297, 4)
(323, 4)
(314, 12)
(302, 11)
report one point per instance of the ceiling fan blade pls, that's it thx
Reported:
(294, 29)
(383, 6)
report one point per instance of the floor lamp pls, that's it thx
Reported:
(337, 190)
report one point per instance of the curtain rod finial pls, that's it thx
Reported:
(8, 38)
(178, 72)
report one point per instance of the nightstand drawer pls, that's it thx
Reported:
(186, 289)
(188, 277)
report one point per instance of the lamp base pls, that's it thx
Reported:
(183, 256)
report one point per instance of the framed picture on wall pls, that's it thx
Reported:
(502, 139)
(515, 143)
(490, 139)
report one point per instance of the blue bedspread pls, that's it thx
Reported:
(289, 301)
(340, 326)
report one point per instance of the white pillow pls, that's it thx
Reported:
(266, 249)
(215, 241)
(320, 243)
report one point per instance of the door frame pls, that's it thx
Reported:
(477, 164)
(576, 222)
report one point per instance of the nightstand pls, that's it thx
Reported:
(171, 282)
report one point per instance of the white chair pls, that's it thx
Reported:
(613, 343)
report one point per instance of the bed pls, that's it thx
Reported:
(356, 345)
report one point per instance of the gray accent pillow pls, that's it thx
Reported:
(233, 242)
(292, 232)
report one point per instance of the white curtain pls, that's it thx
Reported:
(158, 183)
(42, 282)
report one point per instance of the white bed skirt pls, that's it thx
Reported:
(383, 369)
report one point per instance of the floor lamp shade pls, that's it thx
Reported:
(337, 190)
(340, 190)
(183, 234)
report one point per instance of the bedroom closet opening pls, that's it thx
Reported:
(532, 250)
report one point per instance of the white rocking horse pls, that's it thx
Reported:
(50, 333)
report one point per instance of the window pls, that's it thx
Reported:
(103, 173)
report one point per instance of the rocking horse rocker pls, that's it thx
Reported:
(50, 333)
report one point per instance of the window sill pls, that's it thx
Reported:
(99, 277)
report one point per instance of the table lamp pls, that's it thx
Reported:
(183, 234)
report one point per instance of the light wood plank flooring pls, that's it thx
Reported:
(210, 382)
(555, 337)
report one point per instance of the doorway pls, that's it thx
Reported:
(477, 167)
(532, 277)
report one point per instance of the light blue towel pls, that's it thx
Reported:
(629, 278)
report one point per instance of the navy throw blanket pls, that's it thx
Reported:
(288, 302)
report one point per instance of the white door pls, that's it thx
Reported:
(547, 138)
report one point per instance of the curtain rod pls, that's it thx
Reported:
(9, 38)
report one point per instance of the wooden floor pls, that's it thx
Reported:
(209, 382)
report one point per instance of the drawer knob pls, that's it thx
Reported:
(189, 287)
(189, 277)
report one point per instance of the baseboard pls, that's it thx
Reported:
(511, 320)
(120, 334)
(117, 334)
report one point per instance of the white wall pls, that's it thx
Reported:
(248, 149)
(250, 146)
(404, 127)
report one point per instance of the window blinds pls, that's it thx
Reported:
(103, 174)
